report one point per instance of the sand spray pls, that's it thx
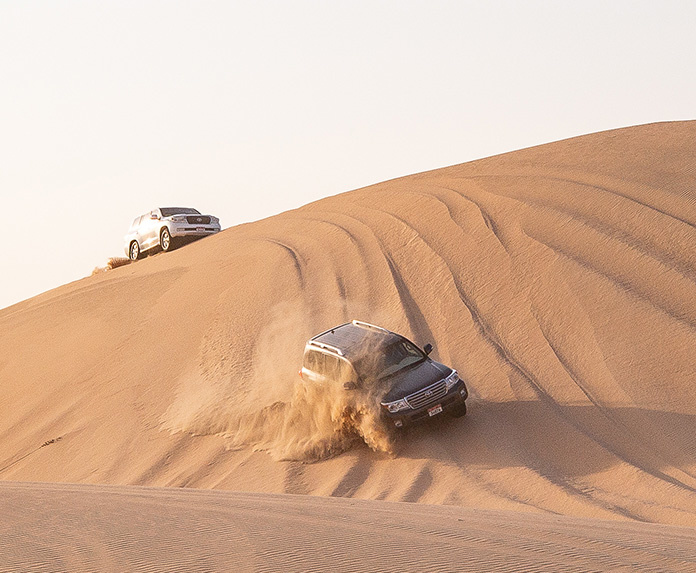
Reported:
(260, 401)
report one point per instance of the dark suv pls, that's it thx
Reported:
(411, 386)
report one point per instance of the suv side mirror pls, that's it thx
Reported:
(154, 216)
(428, 348)
(351, 385)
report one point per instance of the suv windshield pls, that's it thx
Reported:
(395, 357)
(169, 211)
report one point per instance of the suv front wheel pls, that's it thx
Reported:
(459, 410)
(166, 241)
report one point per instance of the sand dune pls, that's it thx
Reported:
(559, 280)
(102, 528)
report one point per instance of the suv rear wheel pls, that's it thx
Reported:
(134, 251)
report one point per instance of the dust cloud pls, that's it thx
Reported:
(262, 402)
(112, 263)
(318, 422)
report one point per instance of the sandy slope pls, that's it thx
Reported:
(119, 529)
(559, 280)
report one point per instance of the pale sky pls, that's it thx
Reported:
(247, 109)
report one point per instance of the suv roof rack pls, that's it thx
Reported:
(326, 347)
(370, 326)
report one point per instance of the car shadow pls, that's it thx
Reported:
(570, 441)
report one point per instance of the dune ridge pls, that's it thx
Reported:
(559, 280)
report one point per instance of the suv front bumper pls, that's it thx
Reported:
(455, 397)
(188, 230)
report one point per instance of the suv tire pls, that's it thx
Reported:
(134, 251)
(458, 411)
(166, 241)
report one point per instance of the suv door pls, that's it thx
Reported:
(149, 229)
(135, 231)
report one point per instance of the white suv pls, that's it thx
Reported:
(167, 227)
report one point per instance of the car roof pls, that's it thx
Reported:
(353, 338)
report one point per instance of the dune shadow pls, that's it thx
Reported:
(554, 440)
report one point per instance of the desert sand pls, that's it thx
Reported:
(559, 280)
(120, 528)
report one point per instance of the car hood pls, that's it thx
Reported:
(416, 378)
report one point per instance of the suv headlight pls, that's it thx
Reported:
(179, 218)
(451, 380)
(396, 406)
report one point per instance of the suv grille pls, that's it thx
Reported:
(426, 395)
(198, 219)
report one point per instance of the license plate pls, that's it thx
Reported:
(435, 410)
(200, 229)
